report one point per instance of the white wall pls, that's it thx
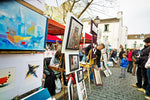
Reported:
(131, 42)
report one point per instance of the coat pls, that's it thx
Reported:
(129, 56)
(124, 62)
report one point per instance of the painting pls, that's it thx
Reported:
(7, 78)
(70, 89)
(94, 45)
(74, 62)
(74, 34)
(98, 79)
(106, 73)
(84, 95)
(80, 75)
(81, 84)
(21, 28)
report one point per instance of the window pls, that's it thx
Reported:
(106, 27)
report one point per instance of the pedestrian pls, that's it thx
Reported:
(134, 56)
(124, 63)
(130, 66)
(98, 56)
(141, 70)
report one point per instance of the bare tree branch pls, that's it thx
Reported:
(72, 5)
(85, 8)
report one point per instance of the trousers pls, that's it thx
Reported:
(123, 72)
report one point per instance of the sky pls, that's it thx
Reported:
(136, 15)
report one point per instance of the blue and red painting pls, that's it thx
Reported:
(21, 28)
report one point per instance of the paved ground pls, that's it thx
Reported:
(115, 88)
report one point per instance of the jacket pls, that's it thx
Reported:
(124, 62)
(129, 56)
(120, 54)
(98, 54)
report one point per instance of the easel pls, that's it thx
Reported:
(88, 66)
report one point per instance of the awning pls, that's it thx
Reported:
(51, 38)
(55, 28)
(88, 38)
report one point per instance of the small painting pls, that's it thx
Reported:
(98, 79)
(74, 34)
(74, 62)
(7, 78)
(80, 75)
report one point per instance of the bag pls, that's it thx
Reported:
(58, 85)
(147, 65)
(50, 81)
(73, 78)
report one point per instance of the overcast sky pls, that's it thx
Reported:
(136, 15)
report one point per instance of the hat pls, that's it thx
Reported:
(147, 40)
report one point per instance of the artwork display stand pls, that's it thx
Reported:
(88, 66)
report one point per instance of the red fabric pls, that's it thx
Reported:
(87, 36)
(3, 80)
(129, 56)
(73, 78)
(51, 37)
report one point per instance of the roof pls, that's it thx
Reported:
(109, 20)
(55, 28)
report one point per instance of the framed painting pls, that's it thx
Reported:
(73, 62)
(21, 28)
(80, 75)
(98, 79)
(74, 34)
(106, 73)
(70, 89)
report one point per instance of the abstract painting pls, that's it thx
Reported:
(74, 62)
(74, 34)
(21, 28)
(7, 78)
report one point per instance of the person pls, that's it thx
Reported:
(124, 63)
(55, 59)
(81, 54)
(141, 70)
(134, 56)
(120, 54)
(98, 53)
(148, 76)
(114, 54)
(130, 61)
(58, 46)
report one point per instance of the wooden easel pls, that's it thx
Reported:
(88, 66)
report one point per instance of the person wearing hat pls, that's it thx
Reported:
(142, 71)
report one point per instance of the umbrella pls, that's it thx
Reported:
(55, 3)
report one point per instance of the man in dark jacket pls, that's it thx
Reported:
(120, 54)
(142, 71)
(98, 54)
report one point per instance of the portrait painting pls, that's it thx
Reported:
(80, 75)
(74, 62)
(74, 34)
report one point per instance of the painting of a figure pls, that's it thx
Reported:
(74, 62)
(80, 75)
(21, 28)
(74, 34)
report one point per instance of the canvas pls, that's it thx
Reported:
(21, 28)
(106, 73)
(98, 79)
(7, 78)
(74, 34)
(74, 62)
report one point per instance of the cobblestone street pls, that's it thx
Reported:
(115, 88)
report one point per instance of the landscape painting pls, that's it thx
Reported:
(21, 28)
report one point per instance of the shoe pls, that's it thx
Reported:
(134, 85)
(141, 89)
(147, 97)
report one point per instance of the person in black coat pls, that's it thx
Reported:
(120, 54)
(142, 71)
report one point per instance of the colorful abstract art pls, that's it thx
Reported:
(21, 28)
(7, 78)
(32, 70)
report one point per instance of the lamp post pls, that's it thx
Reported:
(142, 36)
(97, 20)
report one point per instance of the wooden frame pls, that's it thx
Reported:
(70, 62)
(98, 78)
(74, 34)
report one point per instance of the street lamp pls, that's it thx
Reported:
(97, 20)
(135, 44)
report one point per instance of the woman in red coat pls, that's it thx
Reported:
(130, 66)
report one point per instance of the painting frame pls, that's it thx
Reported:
(79, 31)
(18, 37)
(97, 74)
(70, 62)
(70, 89)
(78, 72)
